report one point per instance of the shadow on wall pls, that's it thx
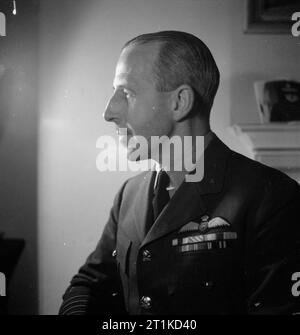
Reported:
(18, 150)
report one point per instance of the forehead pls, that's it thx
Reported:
(136, 63)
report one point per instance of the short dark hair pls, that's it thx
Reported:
(183, 59)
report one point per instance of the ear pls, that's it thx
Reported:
(182, 102)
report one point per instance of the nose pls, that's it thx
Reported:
(113, 111)
(107, 115)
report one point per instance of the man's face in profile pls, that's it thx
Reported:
(136, 105)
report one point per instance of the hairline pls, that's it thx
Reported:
(161, 76)
(155, 65)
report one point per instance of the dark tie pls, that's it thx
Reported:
(161, 195)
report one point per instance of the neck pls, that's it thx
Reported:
(192, 148)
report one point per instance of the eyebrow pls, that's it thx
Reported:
(123, 80)
(123, 87)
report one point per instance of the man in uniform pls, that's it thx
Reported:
(225, 244)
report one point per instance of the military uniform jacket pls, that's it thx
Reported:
(225, 245)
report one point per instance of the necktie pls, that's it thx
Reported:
(161, 195)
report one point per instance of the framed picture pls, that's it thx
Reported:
(270, 16)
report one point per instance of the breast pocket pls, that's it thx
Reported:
(206, 277)
(200, 258)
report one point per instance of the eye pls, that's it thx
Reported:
(127, 93)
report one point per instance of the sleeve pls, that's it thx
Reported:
(96, 288)
(273, 251)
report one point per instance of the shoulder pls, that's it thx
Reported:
(134, 184)
(268, 183)
(240, 171)
(246, 175)
(249, 168)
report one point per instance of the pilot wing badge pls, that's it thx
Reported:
(217, 222)
(206, 234)
(205, 224)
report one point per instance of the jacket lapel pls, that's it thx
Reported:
(183, 206)
(143, 204)
(188, 201)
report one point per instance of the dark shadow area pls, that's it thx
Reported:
(18, 154)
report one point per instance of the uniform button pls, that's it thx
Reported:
(145, 302)
(114, 253)
(146, 256)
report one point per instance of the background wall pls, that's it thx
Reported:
(79, 43)
(18, 148)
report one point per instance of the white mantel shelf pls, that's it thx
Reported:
(274, 144)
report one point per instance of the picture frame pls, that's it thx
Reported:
(270, 16)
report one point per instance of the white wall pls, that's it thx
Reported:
(79, 46)
(18, 150)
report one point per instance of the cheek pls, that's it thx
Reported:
(149, 119)
(140, 116)
(161, 118)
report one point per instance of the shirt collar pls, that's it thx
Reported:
(157, 167)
